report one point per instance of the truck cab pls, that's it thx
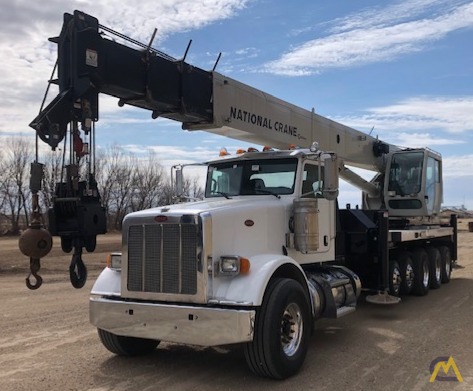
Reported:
(198, 272)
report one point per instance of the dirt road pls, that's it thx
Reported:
(47, 343)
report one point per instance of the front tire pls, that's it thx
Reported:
(126, 346)
(282, 331)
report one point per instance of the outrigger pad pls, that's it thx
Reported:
(383, 298)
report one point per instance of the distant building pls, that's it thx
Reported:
(461, 212)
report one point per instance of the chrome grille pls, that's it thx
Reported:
(163, 258)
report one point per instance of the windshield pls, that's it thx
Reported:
(255, 177)
(406, 173)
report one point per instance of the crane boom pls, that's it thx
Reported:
(89, 64)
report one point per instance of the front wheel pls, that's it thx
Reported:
(282, 331)
(126, 346)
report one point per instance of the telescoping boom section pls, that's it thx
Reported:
(89, 63)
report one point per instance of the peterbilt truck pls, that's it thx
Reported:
(268, 251)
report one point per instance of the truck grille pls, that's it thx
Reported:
(163, 258)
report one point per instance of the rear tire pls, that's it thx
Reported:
(421, 272)
(282, 331)
(446, 262)
(395, 278)
(126, 346)
(435, 265)
(406, 265)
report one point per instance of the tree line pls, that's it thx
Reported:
(126, 183)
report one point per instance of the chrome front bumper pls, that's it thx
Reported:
(173, 323)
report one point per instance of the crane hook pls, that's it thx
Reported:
(34, 269)
(77, 269)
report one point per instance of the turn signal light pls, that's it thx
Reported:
(114, 261)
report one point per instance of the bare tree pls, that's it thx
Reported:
(114, 175)
(14, 187)
(148, 184)
(52, 174)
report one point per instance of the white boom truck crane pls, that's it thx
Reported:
(268, 251)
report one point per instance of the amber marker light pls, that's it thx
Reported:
(244, 265)
(223, 152)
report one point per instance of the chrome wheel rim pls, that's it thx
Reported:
(291, 329)
(425, 277)
(438, 270)
(396, 280)
(409, 276)
(448, 267)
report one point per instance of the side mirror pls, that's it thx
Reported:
(179, 180)
(330, 188)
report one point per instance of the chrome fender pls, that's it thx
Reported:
(108, 283)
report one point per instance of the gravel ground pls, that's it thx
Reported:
(47, 343)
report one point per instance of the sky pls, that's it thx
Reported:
(401, 70)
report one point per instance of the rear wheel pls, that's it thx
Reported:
(395, 278)
(282, 331)
(435, 265)
(421, 272)
(406, 266)
(127, 346)
(446, 262)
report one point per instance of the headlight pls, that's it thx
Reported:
(231, 265)
(114, 261)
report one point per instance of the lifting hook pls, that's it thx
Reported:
(34, 269)
(77, 268)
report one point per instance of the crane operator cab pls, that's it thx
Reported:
(413, 184)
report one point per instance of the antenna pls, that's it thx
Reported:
(216, 62)
(371, 131)
(151, 40)
(187, 50)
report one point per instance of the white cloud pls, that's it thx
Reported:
(421, 120)
(458, 167)
(400, 11)
(28, 57)
(382, 37)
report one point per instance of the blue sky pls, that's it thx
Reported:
(402, 67)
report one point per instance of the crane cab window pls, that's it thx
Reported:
(251, 177)
(432, 179)
(405, 179)
(405, 174)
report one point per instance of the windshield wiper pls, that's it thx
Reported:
(223, 194)
(265, 191)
